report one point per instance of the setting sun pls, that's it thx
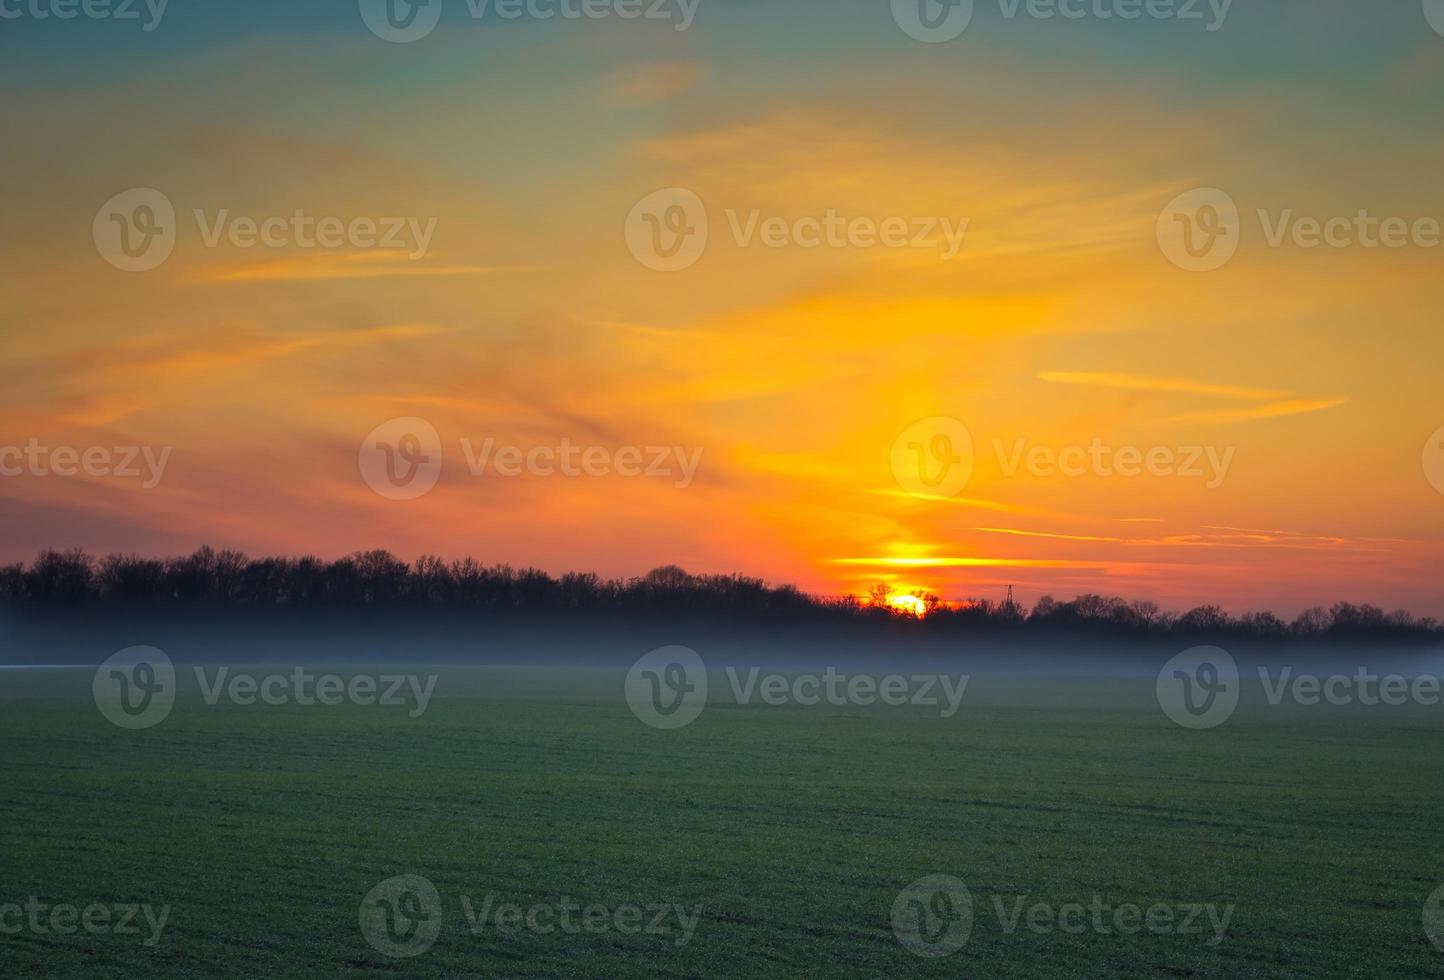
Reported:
(910, 604)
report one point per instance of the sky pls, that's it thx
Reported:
(773, 288)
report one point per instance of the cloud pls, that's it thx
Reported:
(923, 563)
(1045, 534)
(102, 385)
(1131, 382)
(1292, 406)
(657, 82)
(1277, 402)
(358, 265)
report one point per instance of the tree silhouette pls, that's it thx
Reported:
(377, 580)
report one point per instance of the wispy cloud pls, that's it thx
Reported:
(655, 82)
(1272, 410)
(1276, 402)
(1131, 382)
(1044, 534)
(919, 563)
(361, 265)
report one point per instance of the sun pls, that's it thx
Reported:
(909, 604)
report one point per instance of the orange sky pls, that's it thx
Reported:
(794, 370)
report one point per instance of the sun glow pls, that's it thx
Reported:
(909, 604)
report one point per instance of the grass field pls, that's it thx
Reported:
(793, 828)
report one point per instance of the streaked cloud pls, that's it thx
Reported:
(356, 265)
(1277, 403)
(655, 82)
(1272, 410)
(1130, 382)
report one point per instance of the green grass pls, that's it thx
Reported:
(794, 828)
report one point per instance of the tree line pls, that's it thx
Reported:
(210, 579)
